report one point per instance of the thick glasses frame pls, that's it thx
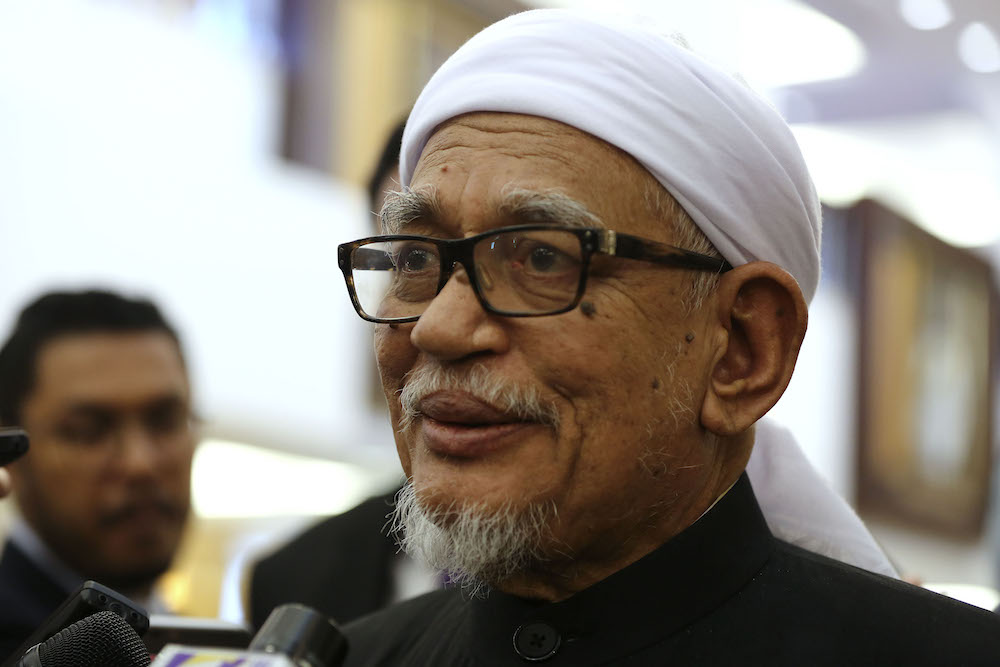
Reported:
(593, 241)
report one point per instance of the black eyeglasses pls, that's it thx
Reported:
(519, 271)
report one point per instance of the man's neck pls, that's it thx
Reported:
(34, 547)
(27, 540)
(561, 577)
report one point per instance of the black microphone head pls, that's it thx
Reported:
(303, 634)
(103, 639)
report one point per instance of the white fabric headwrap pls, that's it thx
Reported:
(722, 151)
(800, 507)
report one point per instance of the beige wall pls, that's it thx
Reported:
(386, 50)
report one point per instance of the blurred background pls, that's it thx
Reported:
(211, 154)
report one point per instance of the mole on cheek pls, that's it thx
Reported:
(656, 383)
(588, 308)
(689, 337)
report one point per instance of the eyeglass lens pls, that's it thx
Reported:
(523, 271)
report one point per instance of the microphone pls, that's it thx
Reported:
(169, 629)
(303, 634)
(292, 636)
(13, 444)
(89, 599)
(103, 639)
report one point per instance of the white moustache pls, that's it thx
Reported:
(523, 402)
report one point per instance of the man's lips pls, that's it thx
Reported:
(141, 512)
(459, 424)
(454, 407)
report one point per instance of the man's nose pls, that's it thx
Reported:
(138, 451)
(456, 326)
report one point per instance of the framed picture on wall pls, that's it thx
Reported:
(927, 349)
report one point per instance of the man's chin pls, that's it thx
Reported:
(132, 577)
(475, 542)
(443, 509)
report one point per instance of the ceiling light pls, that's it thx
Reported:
(979, 49)
(936, 170)
(230, 480)
(772, 43)
(839, 163)
(786, 43)
(926, 14)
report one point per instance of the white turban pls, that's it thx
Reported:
(721, 150)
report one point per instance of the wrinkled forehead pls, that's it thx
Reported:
(535, 143)
(518, 169)
(717, 147)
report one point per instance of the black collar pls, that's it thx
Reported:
(650, 600)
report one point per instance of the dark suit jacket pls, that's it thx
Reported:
(27, 596)
(722, 592)
(342, 566)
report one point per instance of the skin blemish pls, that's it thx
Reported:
(656, 383)
(689, 337)
(588, 308)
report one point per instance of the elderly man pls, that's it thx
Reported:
(595, 285)
(100, 383)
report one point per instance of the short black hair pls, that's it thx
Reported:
(386, 162)
(56, 314)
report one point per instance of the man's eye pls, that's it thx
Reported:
(167, 419)
(415, 260)
(82, 433)
(542, 258)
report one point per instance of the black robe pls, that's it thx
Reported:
(722, 592)
(341, 567)
(27, 596)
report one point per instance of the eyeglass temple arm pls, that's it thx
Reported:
(631, 247)
(371, 259)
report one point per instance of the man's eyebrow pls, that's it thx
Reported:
(528, 206)
(402, 207)
(546, 206)
(91, 408)
(87, 409)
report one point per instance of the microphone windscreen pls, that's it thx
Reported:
(303, 634)
(103, 639)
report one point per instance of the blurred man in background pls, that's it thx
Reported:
(100, 384)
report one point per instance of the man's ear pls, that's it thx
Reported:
(760, 323)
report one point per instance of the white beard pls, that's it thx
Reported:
(476, 547)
